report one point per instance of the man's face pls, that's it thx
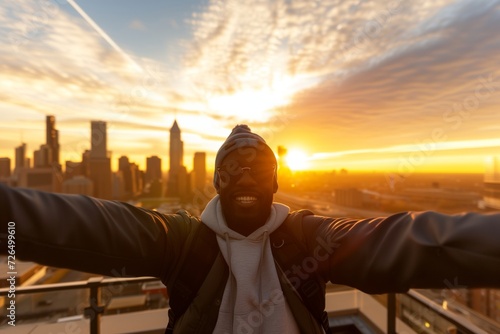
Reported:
(246, 188)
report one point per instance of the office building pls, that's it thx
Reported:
(52, 139)
(129, 176)
(42, 158)
(4, 168)
(176, 186)
(21, 159)
(45, 179)
(98, 140)
(153, 169)
(100, 161)
(199, 171)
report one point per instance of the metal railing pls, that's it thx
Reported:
(95, 309)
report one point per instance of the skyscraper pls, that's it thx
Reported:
(154, 176)
(21, 160)
(52, 139)
(153, 168)
(177, 172)
(43, 157)
(4, 167)
(129, 182)
(176, 148)
(100, 161)
(98, 140)
(199, 171)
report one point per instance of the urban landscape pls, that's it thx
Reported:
(328, 193)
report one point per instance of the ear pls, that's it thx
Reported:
(275, 183)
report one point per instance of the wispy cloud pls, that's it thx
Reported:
(137, 25)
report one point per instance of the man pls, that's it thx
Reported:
(247, 279)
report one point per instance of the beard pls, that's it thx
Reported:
(243, 214)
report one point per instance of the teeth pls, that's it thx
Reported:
(246, 199)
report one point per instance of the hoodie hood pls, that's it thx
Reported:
(253, 301)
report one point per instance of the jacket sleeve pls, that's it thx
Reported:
(411, 250)
(88, 234)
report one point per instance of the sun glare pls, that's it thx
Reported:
(297, 160)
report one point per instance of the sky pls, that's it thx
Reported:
(394, 86)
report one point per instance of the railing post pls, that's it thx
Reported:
(95, 309)
(391, 313)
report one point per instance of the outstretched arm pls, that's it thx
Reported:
(414, 250)
(88, 234)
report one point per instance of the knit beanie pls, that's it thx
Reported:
(241, 137)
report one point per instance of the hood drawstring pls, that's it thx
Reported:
(232, 297)
(265, 237)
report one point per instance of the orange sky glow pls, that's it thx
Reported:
(405, 87)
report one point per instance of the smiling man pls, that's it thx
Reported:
(249, 265)
(245, 179)
(243, 216)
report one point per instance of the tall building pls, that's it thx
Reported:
(177, 172)
(21, 160)
(126, 171)
(176, 152)
(86, 163)
(100, 161)
(132, 177)
(199, 171)
(4, 167)
(153, 168)
(52, 139)
(98, 140)
(43, 157)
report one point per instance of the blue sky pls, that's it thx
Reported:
(398, 86)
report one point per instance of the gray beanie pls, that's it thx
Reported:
(241, 136)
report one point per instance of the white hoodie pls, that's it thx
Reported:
(253, 301)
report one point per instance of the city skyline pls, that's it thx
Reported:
(364, 86)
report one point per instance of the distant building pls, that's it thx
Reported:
(129, 175)
(118, 186)
(100, 161)
(52, 139)
(137, 178)
(5, 171)
(21, 160)
(45, 179)
(78, 185)
(86, 163)
(133, 177)
(42, 158)
(98, 140)
(177, 175)
(153, 168)
(199, 171)
(73, 169)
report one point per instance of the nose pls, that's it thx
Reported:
(246, 179)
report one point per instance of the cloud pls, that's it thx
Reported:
(137, 25)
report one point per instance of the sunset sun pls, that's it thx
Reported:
(297, 160)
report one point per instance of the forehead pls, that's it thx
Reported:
(250, 156)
